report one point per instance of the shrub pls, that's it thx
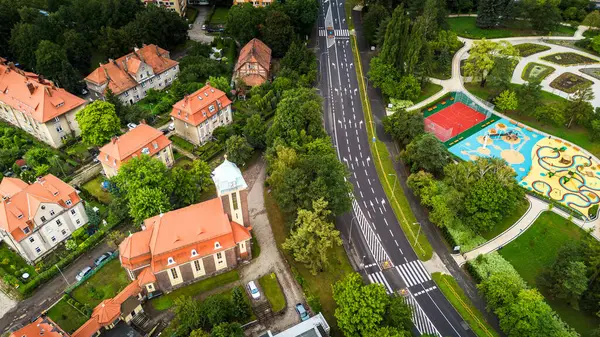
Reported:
(485, 265)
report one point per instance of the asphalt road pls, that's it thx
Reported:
(372, 227)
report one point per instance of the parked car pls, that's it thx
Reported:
(171, 127)
(101, 258)
(253, 289)
(203, 27)
(131, 126)
(165, 131)
(302, 312)
(83, 272)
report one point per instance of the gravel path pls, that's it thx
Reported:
(6, 304)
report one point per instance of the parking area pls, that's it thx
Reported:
(196, 33)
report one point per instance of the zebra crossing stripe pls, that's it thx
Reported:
(373, 242)
(420, 319)
(425, 291)
(378, 277)
(413, 273)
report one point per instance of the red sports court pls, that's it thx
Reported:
(453, 120)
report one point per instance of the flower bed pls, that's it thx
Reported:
(569, 83)
(536, 71)
(568, 59)
(527, 49)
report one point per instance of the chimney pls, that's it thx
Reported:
(114, 139)
(31, 88)
(41, 79)
(11, 66)
(143, 121)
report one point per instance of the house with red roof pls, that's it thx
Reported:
(198, 114)
(35, 218)
(142, 140)
(254, 63)
(38, 106)
(131, 76)
(41, 327)
(192, 243)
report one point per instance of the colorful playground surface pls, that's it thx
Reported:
(549, 166)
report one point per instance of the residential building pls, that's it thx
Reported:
(36, 105)
(179, 6)
(43, 326)
(35, 218)
(192, 243)
(254, 63)
(315, 326)
(255, 3)
(131, 76)
(143, 139)
(197, 115)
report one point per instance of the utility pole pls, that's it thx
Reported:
(63, 275)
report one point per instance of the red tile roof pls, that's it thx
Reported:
(196, 107)
(146, 277)
(175, 234)
(33, 95)
(133, 143)
(21, 201)
(254, 51)
(88, 329)
(119, 73)
(42, 327)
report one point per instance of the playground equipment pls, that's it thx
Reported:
(512, 135)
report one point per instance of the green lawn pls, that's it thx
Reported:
(220, 16)
(104, 284)
(190, 14)
(94, 186)
(316, 285)
(78, 151)
(465, 27)
(182, 143)
(183, 162)
(255, 247)
(508, 221)
(166, 301)
(428, 90)
(272, 291)
(463, 305)
(66, 316)
(536, 249)
(576, 135)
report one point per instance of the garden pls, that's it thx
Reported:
(536, 71)
(272, 290)
(594, 72)
(94, 187)
(13, 266)
(568, 59)
(106, 282)
(466, 27)
(528, 49)
(570, 83)
(69, 314)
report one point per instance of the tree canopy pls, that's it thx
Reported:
(98, 122)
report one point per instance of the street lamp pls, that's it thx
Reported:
(362, 263)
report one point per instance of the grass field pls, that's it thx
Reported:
(317, 285)
(427, 91)
(66, 316)
(576, 135)
(166, 301)
(94, 186)
(272, 291)
(463, 305)
(104, 284)
(466, 27)
(536, 249)
(507, 221)
(220, 16)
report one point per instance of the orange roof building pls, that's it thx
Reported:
(255, 3)
(198, 114)
(142, 140)
(131, 76)
(37, 106)
(36, 217)
(178, 6)
(41, 327)
(254, 63)
(188, 244)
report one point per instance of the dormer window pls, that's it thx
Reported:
(106, 157)
(194, 253)
(51, 211)
(55, 193)
(146, 150)
(26, 230)
(178, 112)
(211, 108)
(200, 97)
(155, 145)
(170, 261)
(217, 245)
(68, 202)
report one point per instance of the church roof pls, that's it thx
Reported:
(228, 177)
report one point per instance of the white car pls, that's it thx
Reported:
(253, 290)
(131, 126)
(172, 127)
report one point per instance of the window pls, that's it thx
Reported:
(51, 211)
(143, 84)
(126, 93)
(73, 211)
(68, 202)
(63, 232)
(174, 273)
(197, 265)
(78, 221)
(220, 257)
(217, 245)
(234, 200)
(211, 108)
(58, 222)
(43, 207)
(37, 250)
(194, 253)
(170, 260)
(146, 150)
(56, 119)
(53, 238)
(20, 216)
(43, 219)
(26, 230)
(59, 128)
(155, 145)
(32, 240)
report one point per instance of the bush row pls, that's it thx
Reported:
(574, 213)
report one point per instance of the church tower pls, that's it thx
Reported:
(231, 188)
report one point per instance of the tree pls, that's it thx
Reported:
(24, 40)
(37, 156)
(98, 122)
(501, 289)
(313, 237)
(301, 60)
(384, 76)
(238, 150)
(228, 330)
(490, 12)
(172, 32)
(501, 75)
(371, 21)
(220, 83)
(255, 131)
(387, 331)
(543, 15)
(398, 314)
(190, 315)
(199, 333)
(148, 202)
(529, 96)
(143, 171)
(592, 19)
(552, 114)
(118, 211)
(241, 309)
(243, 22)
(578, 108)
(78, 49)
(94, 219)
(507, 100)
(9, 17)
(278, 32)
(185, 193)
(404, 126)
(303, 13)
(427, 153)
(360, 308)
(217, 309)
(571, 282)
(595, 127)
(482, 58)
(114, 239)
(51, 60)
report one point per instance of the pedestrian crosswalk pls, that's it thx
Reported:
(337, 32)
(373, 242)
(379, 278)
(420, 319)
(425, 291)
(413, 273)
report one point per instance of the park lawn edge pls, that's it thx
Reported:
(452, 291)
(385, 166)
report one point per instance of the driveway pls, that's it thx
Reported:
(50, 292)
(196, 33)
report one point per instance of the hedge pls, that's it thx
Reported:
(574, 213)
(94, 271)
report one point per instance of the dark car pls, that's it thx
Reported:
(302, 312)
(102, 258)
